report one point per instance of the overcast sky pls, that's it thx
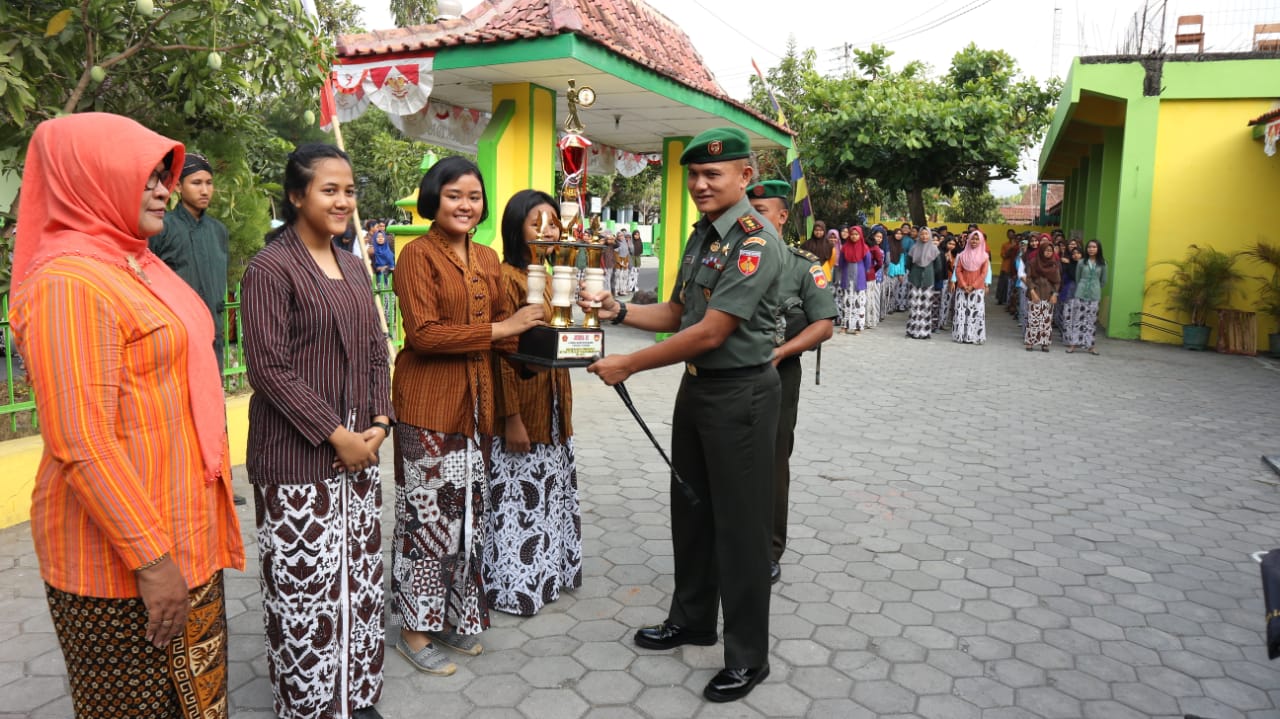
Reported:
(730, 34)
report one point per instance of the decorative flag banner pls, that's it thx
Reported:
(402, 88)
(446, 125)
(1270, 137)
(798, 181)
(397, 87)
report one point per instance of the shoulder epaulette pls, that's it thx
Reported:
(800, 252)
(749, 224)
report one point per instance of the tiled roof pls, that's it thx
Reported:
(627, 27)
(1019, 214)
(1031, 195)
(1266, 117)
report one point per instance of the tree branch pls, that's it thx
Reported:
(199, 48)
(83, 83)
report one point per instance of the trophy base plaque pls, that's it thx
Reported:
(560, 346)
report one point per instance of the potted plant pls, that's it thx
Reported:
(1269, 301)
(1205, 279)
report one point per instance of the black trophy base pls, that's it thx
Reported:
(560, 346)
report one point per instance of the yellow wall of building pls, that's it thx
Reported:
(1213, 185)
(19, 459)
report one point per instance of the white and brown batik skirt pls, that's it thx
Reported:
(970, 325)
(438, 545)
(320, 546)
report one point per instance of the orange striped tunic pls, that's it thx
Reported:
(121, 479)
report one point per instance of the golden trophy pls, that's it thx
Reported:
(560, 343)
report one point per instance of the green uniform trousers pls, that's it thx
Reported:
(789, 372)
(722, 436)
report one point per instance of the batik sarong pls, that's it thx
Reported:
(533, 546)
(115, 672)
(919, 316)
(1039, 324)
(853, 308)
(1080, 323)
(873, 304)
(901, 293)
(438, 545)
(970, 317)
(322, 598)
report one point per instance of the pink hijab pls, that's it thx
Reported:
(81, 196)
(972, 258)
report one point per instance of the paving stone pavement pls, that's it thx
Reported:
(976, 532)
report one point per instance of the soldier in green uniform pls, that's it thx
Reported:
(724, 306)
(808, 307)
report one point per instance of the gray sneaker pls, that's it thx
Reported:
(468, 644)
(429, 659)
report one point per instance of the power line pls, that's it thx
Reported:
(904, 22)
(961, 12)
(743, 34)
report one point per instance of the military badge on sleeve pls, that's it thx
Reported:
(748, 262)
(819, 277)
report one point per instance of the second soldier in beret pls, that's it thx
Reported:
(808, 307)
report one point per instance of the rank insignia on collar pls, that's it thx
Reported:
(748, 262)
(749, 224)
(754, 241)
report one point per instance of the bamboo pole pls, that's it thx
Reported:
(364, 250)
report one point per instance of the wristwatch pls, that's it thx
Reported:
(622, 314)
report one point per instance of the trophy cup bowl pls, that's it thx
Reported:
(560, 344)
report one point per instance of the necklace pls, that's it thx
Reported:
(137, 270)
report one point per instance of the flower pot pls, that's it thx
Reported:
(1195, 337)
(1273, 341)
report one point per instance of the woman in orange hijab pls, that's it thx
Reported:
(132, 511)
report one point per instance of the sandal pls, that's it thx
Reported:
(1093, 351)
(1044, 348)
(468, 644)
(1071, 350)
(428, 659)
(1028, 348)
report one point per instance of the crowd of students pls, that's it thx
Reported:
(941, 280)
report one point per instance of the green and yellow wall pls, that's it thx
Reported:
(1150, 172)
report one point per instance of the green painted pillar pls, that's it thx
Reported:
(1094, 192)
(678, 215)
(1127, 255)
(1068, 201)
(1110, 165)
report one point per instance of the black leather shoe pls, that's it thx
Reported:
(775, 572)
(669, 636)
(733, 684)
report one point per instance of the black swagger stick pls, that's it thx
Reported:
(684, 486)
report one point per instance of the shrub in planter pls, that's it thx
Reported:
(1205, 279)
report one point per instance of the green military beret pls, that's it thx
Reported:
(769, 188)
(717, 145)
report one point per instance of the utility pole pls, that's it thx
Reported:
(1057, 39)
